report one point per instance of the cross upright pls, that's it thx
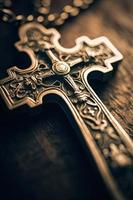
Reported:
(60, 74)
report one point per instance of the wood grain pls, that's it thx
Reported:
(40, 155)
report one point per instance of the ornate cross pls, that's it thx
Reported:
(60, 74)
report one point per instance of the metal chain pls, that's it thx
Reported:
(43, 15)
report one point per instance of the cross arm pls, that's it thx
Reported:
(34, 36)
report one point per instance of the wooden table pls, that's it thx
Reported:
(40, 154)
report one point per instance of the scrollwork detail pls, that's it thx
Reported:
(31, 84)
(103, 132)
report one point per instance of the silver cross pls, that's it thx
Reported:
(60, 74)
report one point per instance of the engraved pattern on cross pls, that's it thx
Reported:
(63, 72)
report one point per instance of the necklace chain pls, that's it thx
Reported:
(42, 10)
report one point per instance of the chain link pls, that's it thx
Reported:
(43, 15)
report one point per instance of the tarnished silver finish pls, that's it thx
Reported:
(63, 73)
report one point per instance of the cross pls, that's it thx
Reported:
(60, 74)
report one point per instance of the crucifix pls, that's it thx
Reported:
(61, 74)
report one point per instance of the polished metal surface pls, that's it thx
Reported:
(63, 73)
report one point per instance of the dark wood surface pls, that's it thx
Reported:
(40, 154)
